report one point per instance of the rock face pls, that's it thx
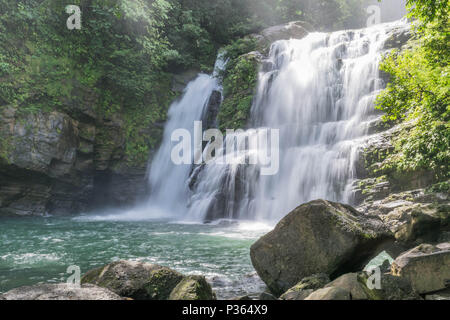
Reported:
(305, 287)
(59, 162)
(426, 267)
(60, 292)
(192, 288)
(329, 293)
(137, 280)
(317, 237)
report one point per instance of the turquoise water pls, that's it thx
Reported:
(34, 250)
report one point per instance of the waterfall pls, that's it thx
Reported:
(319, 92)
(169, 182)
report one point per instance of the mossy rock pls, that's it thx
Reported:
(193, 288)
(306, 286)
(239, 88)
(136, 280)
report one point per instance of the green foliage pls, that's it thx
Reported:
(419, 93)
(239, 85)
(429, 10)
(121, 61)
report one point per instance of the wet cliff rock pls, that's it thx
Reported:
(63, 163)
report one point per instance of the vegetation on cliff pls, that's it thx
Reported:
(122, 61)
(419, 93)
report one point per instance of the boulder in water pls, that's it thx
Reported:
(60, 292)
(317, 237)
(137, 280)
(193, 288)
(426, 267)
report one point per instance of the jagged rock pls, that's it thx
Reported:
(305, 287)
(330, 293)
(350, 283)
(390, 287)
(40, 168)
(137, 280)
(426, 267)
(59, 162)
(192, 288)
(317, 237)
(416, 223)
(60, 292)
(398, 37)
(212, 110)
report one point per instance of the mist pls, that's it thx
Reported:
(391, 10)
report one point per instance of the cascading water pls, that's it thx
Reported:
(319, 92)
(168, 182)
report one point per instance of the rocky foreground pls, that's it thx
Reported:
(322, 241)
(122, 280)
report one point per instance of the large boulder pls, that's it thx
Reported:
(305, 287)
(60, 292)
(136, 280)
(329, 293)
(192, 288)
(317, 237)
(426, 267)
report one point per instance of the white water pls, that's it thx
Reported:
(319, 91)
(168, 182)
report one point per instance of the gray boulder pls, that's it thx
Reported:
(193, 288)
(317, 237)
(136, 280)
(426, 267)
(60, 292)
